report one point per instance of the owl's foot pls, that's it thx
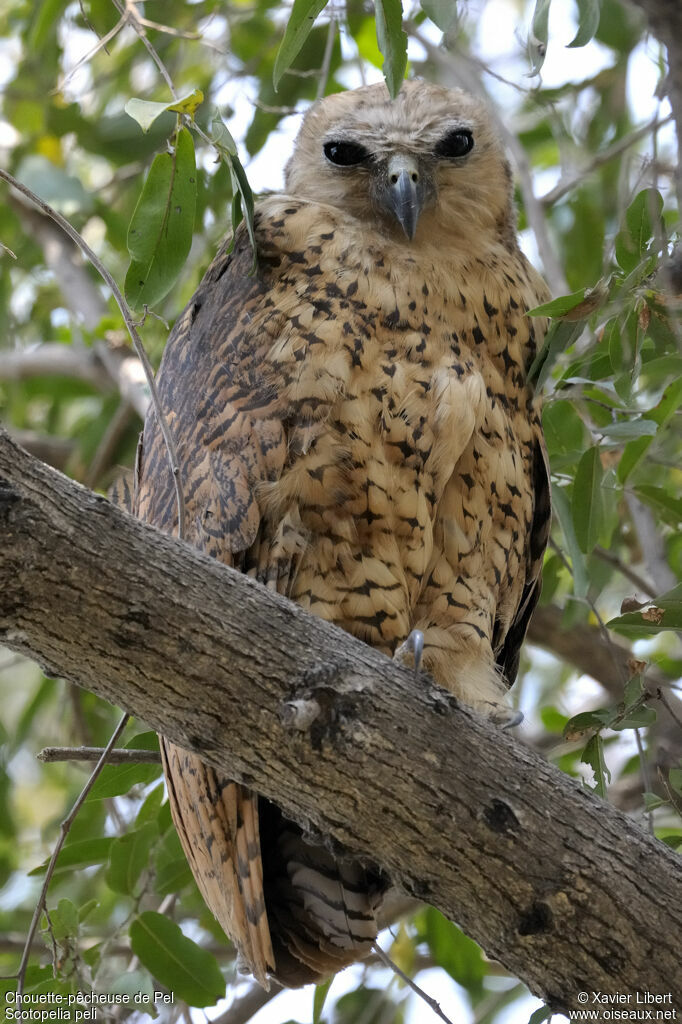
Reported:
(411, 650)
(502, 716)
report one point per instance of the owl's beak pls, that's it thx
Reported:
(405, 193)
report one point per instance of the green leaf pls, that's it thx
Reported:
(365, 1005)
(638, 718)
(662, 501)
(625, 430)
(321, 992)
(160, 232)
(587, 506)
(586, 721)
(640, 215)
(186, 969)
(139, 986)
(593, 754)
(172, 870)
(564, 430)
(301, 21)
(242, 201)
(663, 613)
(128, 857)
(79, 854)
(46, 17)
(664, 411)
(86, 909)
(541, 1014)
(675, 779)
(152, 805)
(560, 336)
(552, 719)
(538, 36)
(118, 779)
(632, 242)
(560, 306)
(145, 112)
(443, 13)
(454, 951)
(563, 514)
(392, 42)
(589, 14)
(64, 920)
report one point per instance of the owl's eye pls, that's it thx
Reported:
(345, 154)
(457, 143)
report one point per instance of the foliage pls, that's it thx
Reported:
(153, 179)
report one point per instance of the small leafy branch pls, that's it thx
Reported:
(162, 226)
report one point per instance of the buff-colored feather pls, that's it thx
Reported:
(355, 430)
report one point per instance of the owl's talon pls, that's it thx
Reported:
(414, 645)
(505, 718)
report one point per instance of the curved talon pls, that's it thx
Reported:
(415, 643)
(505, 718)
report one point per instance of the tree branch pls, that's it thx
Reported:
(123, 755)
(561, 888)
(583, 646)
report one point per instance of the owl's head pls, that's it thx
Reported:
(428, 162)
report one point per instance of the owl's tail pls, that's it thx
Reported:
(321, 909)
(292, 909)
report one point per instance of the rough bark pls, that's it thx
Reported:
(564, 890)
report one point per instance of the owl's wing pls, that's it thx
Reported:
(509, 654)
(226, 413)
(229, 438)
(217, 822)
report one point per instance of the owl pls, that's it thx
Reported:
(356, 431)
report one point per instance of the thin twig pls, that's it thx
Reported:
(565, 185)
(646, 777)
(666, 704)
(101, 44)
(132, 17)
(267, 108)
(168, 30)
(429, 1000)
(327, 59)
(127, 317)
(606, 556)
(64, 831)
(118, 756)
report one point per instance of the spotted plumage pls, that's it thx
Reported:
(355, 430)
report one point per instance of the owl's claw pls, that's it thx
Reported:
(414, 645)
(505, 718)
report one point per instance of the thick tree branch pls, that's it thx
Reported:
(104, 365)
(565, 891)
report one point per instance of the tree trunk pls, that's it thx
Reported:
(569, 894)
